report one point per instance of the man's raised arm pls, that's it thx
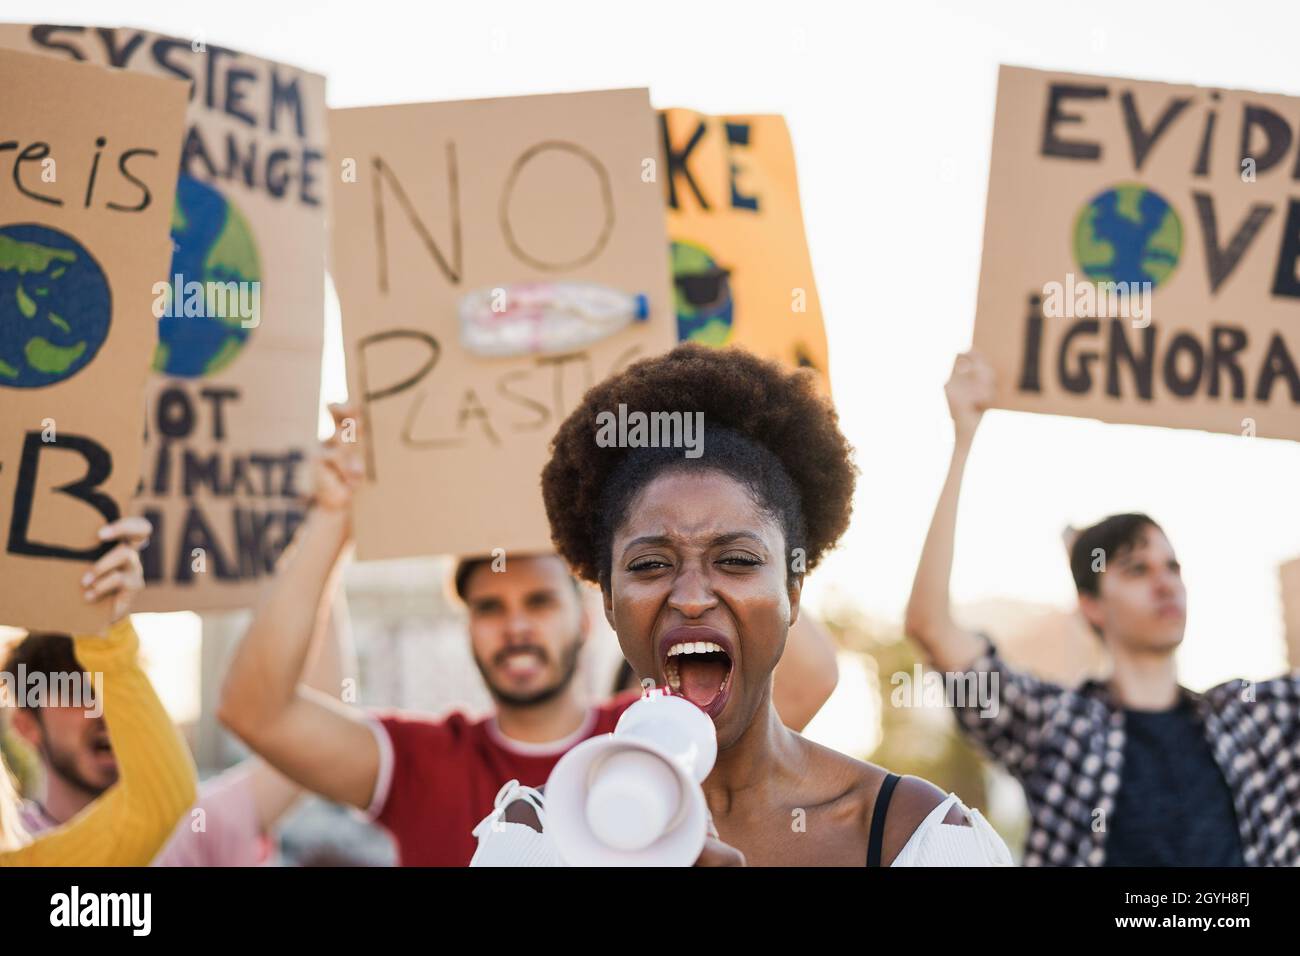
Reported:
(310, 737)
(929, 615)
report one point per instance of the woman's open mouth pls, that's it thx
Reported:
(697, 663)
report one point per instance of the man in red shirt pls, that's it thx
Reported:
(430, 782)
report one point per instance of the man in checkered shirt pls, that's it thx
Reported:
(1136, 770)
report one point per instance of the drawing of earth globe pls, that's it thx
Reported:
(1128, 233)
(701, 295)
(55, 306)
(212, 242)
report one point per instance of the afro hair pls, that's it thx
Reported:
(761, 403)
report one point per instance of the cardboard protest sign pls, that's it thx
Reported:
(234, 406)
(493, 260)
(1140, 253)
(88, 161)
(741, 270)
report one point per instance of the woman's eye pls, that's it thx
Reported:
(647, 564)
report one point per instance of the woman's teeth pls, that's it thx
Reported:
(672, 670)
(696, 647)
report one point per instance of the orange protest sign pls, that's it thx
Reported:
(742, 274)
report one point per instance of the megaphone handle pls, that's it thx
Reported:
(511, 791)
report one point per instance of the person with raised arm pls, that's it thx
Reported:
(232, 822)
(1134, 769)
(129, 823)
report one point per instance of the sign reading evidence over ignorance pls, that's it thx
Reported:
(233, 409)
(493, 259)
(1140, 257)
(89, 168)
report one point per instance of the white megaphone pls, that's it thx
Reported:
(633, 797)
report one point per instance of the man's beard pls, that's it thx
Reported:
(568, 667)
(64, 765)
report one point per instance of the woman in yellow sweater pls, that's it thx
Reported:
(129, 824)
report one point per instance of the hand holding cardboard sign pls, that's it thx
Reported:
(341, 466)
(118, 576)
(970, 391)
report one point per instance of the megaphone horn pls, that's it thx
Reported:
(633, 797)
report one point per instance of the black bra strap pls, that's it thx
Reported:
(877, 840)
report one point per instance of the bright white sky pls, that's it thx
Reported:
(891, 109)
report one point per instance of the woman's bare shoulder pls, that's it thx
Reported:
(912, 801)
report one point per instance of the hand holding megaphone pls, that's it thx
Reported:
(633, 797)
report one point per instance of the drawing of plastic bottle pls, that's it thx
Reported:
(537, 318)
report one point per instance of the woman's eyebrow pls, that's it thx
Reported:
(654, 539)
(661, 540)
(734, 536)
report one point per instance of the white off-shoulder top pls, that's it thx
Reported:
(933, 843)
